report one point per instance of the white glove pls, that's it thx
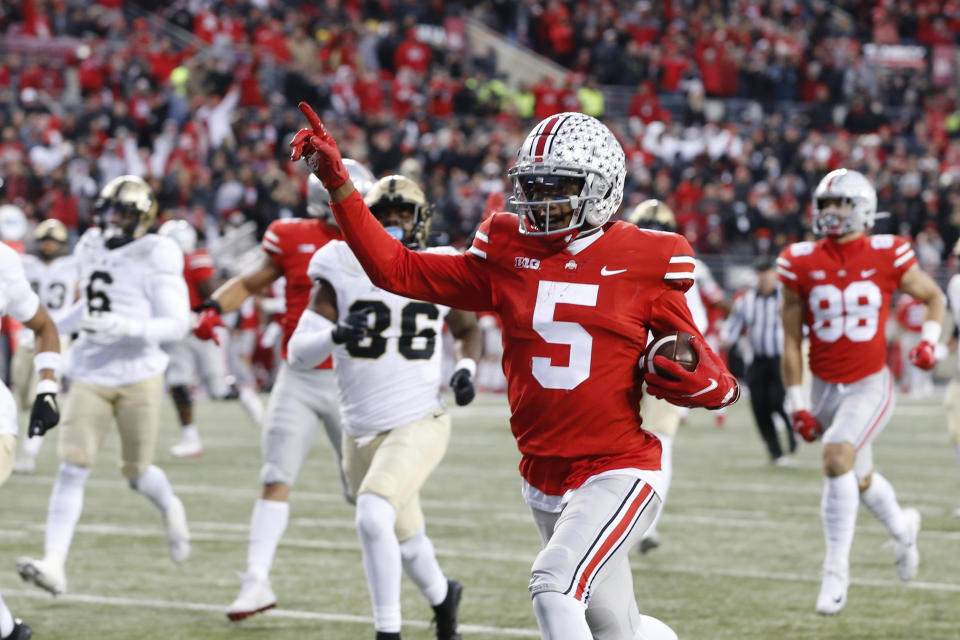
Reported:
(105, 324)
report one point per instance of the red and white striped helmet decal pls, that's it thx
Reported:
(610, 539)
(546, 136)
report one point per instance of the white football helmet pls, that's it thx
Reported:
(563, 148)
(843, 202)
(182, 233)
(318, 199)
(13, 223)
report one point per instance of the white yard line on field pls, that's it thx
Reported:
(507, 557)
(150, 603)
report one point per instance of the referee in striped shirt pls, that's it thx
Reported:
(758, 314)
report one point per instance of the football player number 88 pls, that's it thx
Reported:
(853, 312)
(549, 295)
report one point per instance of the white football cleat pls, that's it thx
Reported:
(956, 513)
(46, 574)
(906, 553)
(25, 464)
(178, 534)
(255, 596)
(187, 448)
(833, 591)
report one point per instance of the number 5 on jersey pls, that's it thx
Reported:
(549, 295)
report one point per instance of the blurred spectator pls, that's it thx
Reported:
(727, 111)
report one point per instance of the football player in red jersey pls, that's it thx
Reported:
(840, 288)
(298, 398)
(577, 295)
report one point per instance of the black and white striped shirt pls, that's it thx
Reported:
(759, 316)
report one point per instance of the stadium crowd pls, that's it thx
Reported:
(735, 108)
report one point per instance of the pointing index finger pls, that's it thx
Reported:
(311, 117)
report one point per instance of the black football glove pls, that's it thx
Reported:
(462, 384)
(44, 415)
(353, 328)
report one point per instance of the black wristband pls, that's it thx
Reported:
(209, 303)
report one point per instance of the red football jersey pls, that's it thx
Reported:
(197, 267)
(846, 290)
(290, 243)
(574, 327)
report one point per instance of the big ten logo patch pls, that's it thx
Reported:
(526, 263)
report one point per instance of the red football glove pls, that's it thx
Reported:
(318, 148)
(207, 321)
(923, 356)
(710, 385)
(806, 425)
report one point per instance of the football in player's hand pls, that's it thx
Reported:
(672, 346)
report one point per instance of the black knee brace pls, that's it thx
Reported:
(181, 395)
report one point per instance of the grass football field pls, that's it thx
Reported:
(741, 553)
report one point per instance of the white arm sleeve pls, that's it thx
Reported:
(312, 342)
(22, 302)
(169, 298)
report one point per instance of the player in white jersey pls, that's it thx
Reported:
(53, 276)
(659, 416)
(133, 298)
(387, 359)
(18, 301)
(952, 397)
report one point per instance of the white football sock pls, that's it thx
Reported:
(189, 432)
(838, 510)
(6, 619)
(560, 617)
(420, 563)
(381, 559)
(666, 466)
(31, 446)
(881, 500)
(267, 524)
(154, 485)
(66, 504)
(251, 403)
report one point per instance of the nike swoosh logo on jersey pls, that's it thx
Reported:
(866, 273)
(610, 272)
(710, 387)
